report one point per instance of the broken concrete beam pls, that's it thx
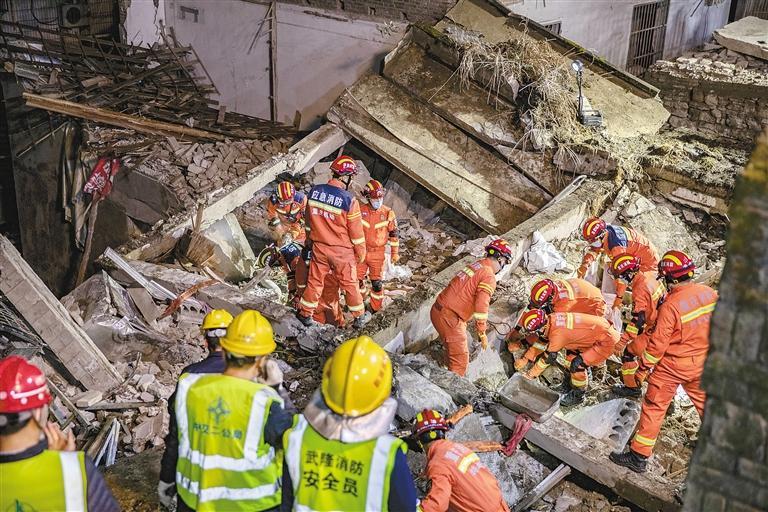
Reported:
(300, 158)
(414, 393)
(462, 390)
(590, 456)
(748, 36)
(50, 319)
(223, 248)
(88, 398)
(612, 421)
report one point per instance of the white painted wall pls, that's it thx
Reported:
(603, 26)
(143, 21)
(318, 54)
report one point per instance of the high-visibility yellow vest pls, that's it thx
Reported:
(331, 475)
(48, 481)
(224, 462)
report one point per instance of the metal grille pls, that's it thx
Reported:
(757, 8)
(646, 39)
(554, 27)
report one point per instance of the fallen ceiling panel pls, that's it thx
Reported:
(437, 154)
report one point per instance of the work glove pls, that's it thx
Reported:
(483, 340)
(395, 257)
(166, 491)
(534, 372)
(360, 253)
(582, 271)
(514, 346)
(617, 302)
(273, 373)
(521, 364)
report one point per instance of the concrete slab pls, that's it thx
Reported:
(612, 421)
(461, 390)
(748, 35)
(414, 393)
(223, 248)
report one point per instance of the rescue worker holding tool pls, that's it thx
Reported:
(285, 213)
(612, 241)
(467, 296)
(338, 454)
(214, 327)
(336, 241)
(380, 227)
(588, 341)
(39, 467)
(647, 294)
(560, 296)
(459, 480)
(674, 356)
(230, 425)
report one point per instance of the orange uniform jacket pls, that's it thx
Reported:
(469, 293)
(460, 482)
(621, 240)
(578, 296)
(646, 293)
(333, 217)
(380, 227)
(291, 217)
(590, 335)
(682, 325)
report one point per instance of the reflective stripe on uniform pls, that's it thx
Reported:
(467, 461)
(696, 313)
(250, 461)
(468, 271)
(629, 371)
(326, 207)
(365, 223)
(394, 243)
(632, 329)
(310, 305)
(540, 346)
(658, 292)
(377, 295)
(578, 383)
(651, 359)
(375, 496)
(360, 307)
(480, 316)
(569, 320)
(358, 241)
(73, 481)
(645, 441)
(568, 289)
(381, 224)
(485, 287)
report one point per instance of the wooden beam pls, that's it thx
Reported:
(110, 117)
(589, 455)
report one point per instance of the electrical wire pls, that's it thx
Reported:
(55, 21)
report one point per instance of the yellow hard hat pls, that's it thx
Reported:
(216, 319)
(357, 378)
(249, 334)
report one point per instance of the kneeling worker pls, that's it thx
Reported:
(339, 455)
(459, 480)
(231, 425)
(39, 467)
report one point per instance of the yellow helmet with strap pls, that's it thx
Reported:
(357, 378)
(216, 319)
(249, 334)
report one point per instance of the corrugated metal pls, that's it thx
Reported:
(758, 8)
(646, 40)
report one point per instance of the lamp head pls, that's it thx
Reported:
(577, 66)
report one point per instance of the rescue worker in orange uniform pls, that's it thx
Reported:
(612, 241)
(647, 293)
(336, 239)
(467, 296)
(285, 213)
(674, 356)
(561, 296)
(587, 339)
(380, 227)
(459, 480)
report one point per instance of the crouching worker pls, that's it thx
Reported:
(39, 467)
(459, 481)
(339, 455)
(588, 341)
(231, 425)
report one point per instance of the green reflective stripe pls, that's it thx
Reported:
(645, 441)
(632, 329)
(651, 359)
(63, 473)
(696, 313)
(224, 462)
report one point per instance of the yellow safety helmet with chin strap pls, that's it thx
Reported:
(357, 378)
(249, 334)
(216, 319)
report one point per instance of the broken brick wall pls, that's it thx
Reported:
(412, 11)
(732, 113)
(729, 471)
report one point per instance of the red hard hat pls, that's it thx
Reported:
(676, 265)
(533, 320)
(593, 228)
(285, 191)
(428, 420)
(22, 386)
(374, 189)
(344, 166)
(624, 263)
(542, 292)
(499, 247)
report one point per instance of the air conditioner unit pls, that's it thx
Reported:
(74, 15)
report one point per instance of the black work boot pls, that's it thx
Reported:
(563, 387)
(573, 397)
(626, 391)
(306, 321)
(631, 460)
(361, 320)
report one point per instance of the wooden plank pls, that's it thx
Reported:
(112, 118)
(590, 456)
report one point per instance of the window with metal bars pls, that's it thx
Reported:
(646, 39)
(758, 8)
(554, 27)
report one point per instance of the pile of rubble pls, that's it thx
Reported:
(717, 63)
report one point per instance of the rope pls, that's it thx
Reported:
(523, 424)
